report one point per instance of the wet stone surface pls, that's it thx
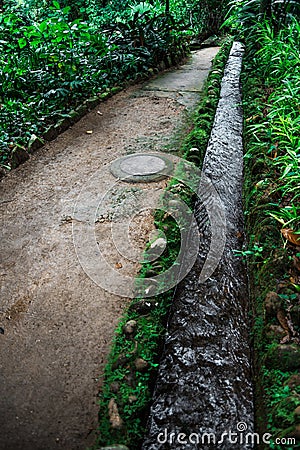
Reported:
(204, 381)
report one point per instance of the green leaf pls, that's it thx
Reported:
(22, 42)
(43, 26)
(56, 4)
(286, 171)
(35, 42)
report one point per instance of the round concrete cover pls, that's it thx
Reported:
(141, 167)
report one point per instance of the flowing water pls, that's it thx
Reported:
(204, 383)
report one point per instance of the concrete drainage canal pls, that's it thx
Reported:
(203, 395)
(142, 167)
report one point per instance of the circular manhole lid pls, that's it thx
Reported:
(141, 167)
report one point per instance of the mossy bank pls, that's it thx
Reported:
(271, 85)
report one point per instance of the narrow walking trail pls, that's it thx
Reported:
(58, 324)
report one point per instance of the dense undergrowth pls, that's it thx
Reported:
(130, 373)
(271, 85)
(55, 55)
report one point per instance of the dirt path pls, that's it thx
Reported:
(58, 324)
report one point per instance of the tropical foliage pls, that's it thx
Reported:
(271, 83)
(53, 56)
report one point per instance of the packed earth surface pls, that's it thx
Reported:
(56, 323)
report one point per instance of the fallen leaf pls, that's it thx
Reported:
(285, 339)
(252, 118)
(114, 416)
(118, 265)
(283, 321)
(291, 235)
(296, 262)
(284, 324)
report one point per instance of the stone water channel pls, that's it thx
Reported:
(204, 386)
